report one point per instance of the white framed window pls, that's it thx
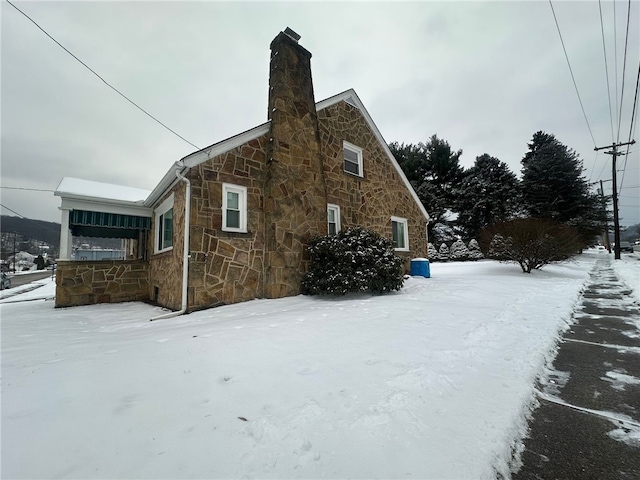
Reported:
(234, 208)
(164, 226)
(352, 158)
(333, 219)
(400, 233)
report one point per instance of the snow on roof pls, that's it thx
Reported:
(70, 186)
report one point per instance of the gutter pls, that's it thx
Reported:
(185, 253)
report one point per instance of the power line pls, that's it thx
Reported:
(31, 220)
(634, 112)
(30, 189)
(606, 68)
(13, 211)
(571, 71)
(103, 80)
(624, 68)
(601, 171)
(615, 51)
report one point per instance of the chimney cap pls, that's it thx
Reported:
(292, 34)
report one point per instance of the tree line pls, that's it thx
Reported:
(551, 187)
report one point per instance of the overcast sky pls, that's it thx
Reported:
(482, 75)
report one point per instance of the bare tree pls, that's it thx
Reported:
(532, 243)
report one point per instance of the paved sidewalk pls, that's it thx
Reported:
(588, 423)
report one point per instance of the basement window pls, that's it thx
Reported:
(234, 208)
(333, 219)
(164, 226)
(400, 233)
(352, 159)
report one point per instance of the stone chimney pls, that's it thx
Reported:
(295, 189)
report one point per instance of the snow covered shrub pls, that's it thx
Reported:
(531, 242)
(443, 253)
(458, 251)
(443, 233)
(353, 260)
(474, 250)
(432, 253)
(498, 247)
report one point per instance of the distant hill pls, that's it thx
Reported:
(631, 233)
(28, 229)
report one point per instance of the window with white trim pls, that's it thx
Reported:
(400, 233)
(333, 219)
(234, 208)
(352, 158)
(164, 226)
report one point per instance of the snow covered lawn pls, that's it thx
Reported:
(429, 382)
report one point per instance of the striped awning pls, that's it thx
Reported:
(106, 225)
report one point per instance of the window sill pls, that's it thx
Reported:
(355, 175)
(234, 234)
(164, 250)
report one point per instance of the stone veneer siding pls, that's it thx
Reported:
(371, 200)
(105, 281)
(226, 267)
(294, 190)
(165, 269)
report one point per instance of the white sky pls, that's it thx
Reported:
(482, 75)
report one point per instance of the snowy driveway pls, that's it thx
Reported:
(429, 382)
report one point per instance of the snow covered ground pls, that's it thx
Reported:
(628, 270)
(433, 381)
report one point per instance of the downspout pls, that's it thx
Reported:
(185, 253)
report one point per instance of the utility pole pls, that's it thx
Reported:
(614, 178)
(14, 251)
(606, 223)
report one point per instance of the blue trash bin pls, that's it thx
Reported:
(420, 268)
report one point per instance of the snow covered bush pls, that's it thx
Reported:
(443, 252)
(498, 247)
(432, 253)
(458, 251)
(354, 260)
(531, 242)
(474, 250)
(443, 233)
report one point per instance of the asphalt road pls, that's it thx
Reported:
(23, 279)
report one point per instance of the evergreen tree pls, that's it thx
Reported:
(553, 186)
(39, 261)
(458, 251)
(475, 253)
(443, 252)
(434, 171)
(432, 253)
(489, 193)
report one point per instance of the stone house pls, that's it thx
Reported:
(230, 222)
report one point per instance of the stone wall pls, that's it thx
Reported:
(226, 267)
(105, 281)
(371, 200)
(165, 269)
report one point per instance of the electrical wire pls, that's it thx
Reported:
(13, 211)
(606, 68)
(634, 116)
(30, 189)
(604, 164)
(615, 51)
(32, 220)
(103, 80)
(595, 161)
(571, 71)
(624, 68)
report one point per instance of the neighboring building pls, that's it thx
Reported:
(230, 222)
